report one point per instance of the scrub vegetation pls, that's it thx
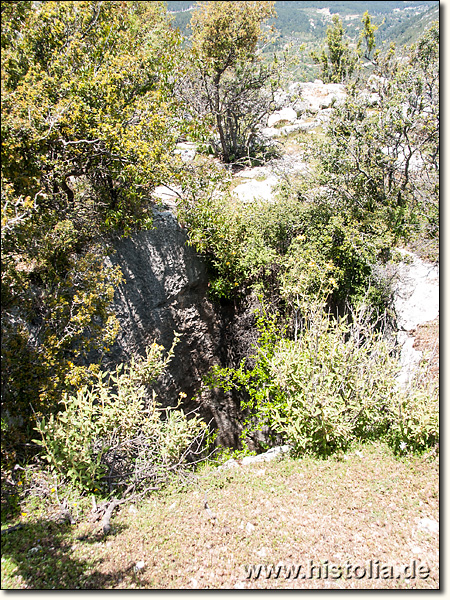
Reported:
(95, 98)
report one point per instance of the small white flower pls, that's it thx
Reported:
(402, 445)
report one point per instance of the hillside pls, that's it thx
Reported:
(402, 22)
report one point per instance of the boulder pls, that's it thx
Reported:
(324, 115)
(281, 99)
(416, 301)
(286, 114)
(270, 132)
(319, 95)
(300, 106)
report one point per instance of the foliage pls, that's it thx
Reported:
(415, 422)
(111, 435)
(214, 227)
(292, 251)
(338, 63)
(381, 162)
(81, 99)
(367, 39)
(229, 74)
(336, 383)
(88, 125)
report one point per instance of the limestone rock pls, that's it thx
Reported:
(319, 95)
(286, 114)
(165, 291)
(416, 301)
(252, 190)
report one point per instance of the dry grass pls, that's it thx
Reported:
(364, 506)
(426, 339)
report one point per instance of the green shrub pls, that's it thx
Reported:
(284, 249)
(335, 384)
(415, 422)
(109, 436)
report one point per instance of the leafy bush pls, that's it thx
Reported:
(87, 134)
(110, 436)
(415, 422)
(335, 384)
(278, 248)
(381, 163)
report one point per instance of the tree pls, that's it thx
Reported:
(229, 70)
(382, 164)
(88, 126)
(367, 38)
(338, 63)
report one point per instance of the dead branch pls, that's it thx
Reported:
(107, 516)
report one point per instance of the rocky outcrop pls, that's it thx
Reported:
(416, 294)
(303, 107)
(310, 97)
(165, 291)
(287, 114)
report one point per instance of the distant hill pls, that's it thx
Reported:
(307, 21)
(406, 30)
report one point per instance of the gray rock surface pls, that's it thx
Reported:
(272, 454)
(165, 291)
(285, 114)
(417, 292)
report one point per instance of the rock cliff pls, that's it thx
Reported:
(165, 291)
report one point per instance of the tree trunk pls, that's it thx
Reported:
(219, 121)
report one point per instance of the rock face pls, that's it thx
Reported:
(304, 107)
(416, 303)
(165, 290)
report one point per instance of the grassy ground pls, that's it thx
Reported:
(361, 507)
(426, 339)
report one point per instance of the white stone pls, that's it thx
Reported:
(285, 114)
(248, 460)
(416, 303)
(271, 132)
(252, 190)
(230, 464)
(429, 525)
(165, 193)
(417, 292)
(409, 358)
